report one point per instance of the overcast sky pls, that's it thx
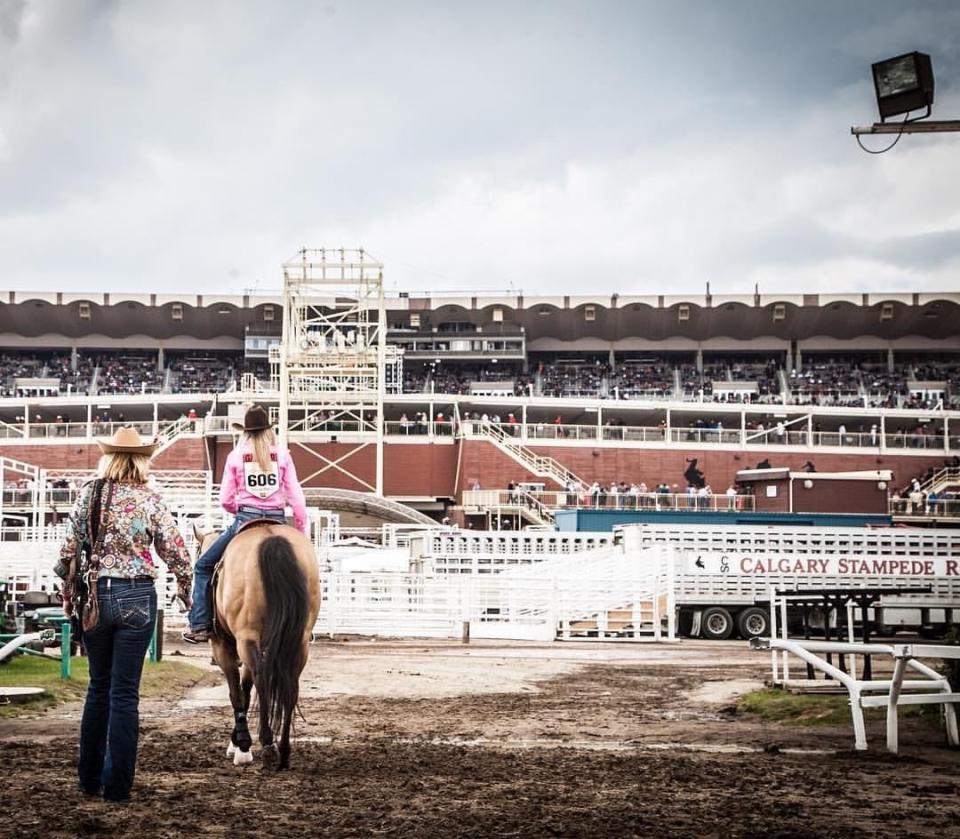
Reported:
(551, 147)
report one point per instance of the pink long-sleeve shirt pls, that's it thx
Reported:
(245, 484)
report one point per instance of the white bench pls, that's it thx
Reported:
(932, 688)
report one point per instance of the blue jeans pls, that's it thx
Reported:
(115, 647)
(201, 614)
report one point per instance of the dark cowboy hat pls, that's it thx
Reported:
(255, 419)
(126, 440)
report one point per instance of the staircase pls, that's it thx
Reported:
(183, 427)
(535, 510)
(540, 465)
(634, 620)
(784, 384)
(948, 476)
(517, 502)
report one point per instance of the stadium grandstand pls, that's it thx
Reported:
(579, 401)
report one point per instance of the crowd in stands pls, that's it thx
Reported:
(826, 382)
(923, 382)
(202, 373)
(15, 366)
(643, 379)
(462, 379)
(564, 378)
(128, 374)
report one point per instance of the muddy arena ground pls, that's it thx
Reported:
(434, 739)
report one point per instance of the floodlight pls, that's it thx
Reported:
(903, 84)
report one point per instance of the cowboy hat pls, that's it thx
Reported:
(255, 419)
(126, 440)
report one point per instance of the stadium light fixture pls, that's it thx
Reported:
(904, 84)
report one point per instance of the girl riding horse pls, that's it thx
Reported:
(259, 482)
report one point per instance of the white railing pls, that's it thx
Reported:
(948, 476)
(606, 592)
(647, 501)
(924, 506)
(537, 601)
(931, 688)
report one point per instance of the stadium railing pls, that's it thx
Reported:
(655, 501)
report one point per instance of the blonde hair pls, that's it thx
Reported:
(126, 467)
(261, 441)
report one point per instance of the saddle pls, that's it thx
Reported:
(247, 525)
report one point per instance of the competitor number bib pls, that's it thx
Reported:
(258, 482)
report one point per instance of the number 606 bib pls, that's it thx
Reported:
(258, 482)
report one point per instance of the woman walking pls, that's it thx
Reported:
(118, 518)
(259, 482)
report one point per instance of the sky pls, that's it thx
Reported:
(582, 148)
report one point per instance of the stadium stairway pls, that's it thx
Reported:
(183, 427)
(540, 465)
(946, 478)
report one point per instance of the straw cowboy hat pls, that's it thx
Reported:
(255, 419)
(126, 440)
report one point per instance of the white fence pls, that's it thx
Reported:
(567, 596)
(570, 595)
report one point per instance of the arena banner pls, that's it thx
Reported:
(822, 566)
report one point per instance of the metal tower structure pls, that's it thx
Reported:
(333, 360)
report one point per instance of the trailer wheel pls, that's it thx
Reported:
(716, 624)
(753, 622)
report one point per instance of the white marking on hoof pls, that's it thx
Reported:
(231, 750)
(241, 758)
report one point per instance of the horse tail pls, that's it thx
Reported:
(281, 639)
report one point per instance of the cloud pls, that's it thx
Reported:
(554, 147)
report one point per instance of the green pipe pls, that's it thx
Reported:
(65, 650)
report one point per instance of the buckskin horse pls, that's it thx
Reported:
(266, 601)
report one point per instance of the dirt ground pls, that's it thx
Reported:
(434, 739)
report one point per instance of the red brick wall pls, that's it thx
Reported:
(409, 469)
(184, 454)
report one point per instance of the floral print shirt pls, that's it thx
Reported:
(137, 519)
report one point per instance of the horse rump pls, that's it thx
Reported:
(281, 639)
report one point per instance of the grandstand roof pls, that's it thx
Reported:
(67, 316)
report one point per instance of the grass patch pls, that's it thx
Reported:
(796, 708)
(781, 706)
(164, 678)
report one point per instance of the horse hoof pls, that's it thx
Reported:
(241, 758)
(271, 756)
(231, 750)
